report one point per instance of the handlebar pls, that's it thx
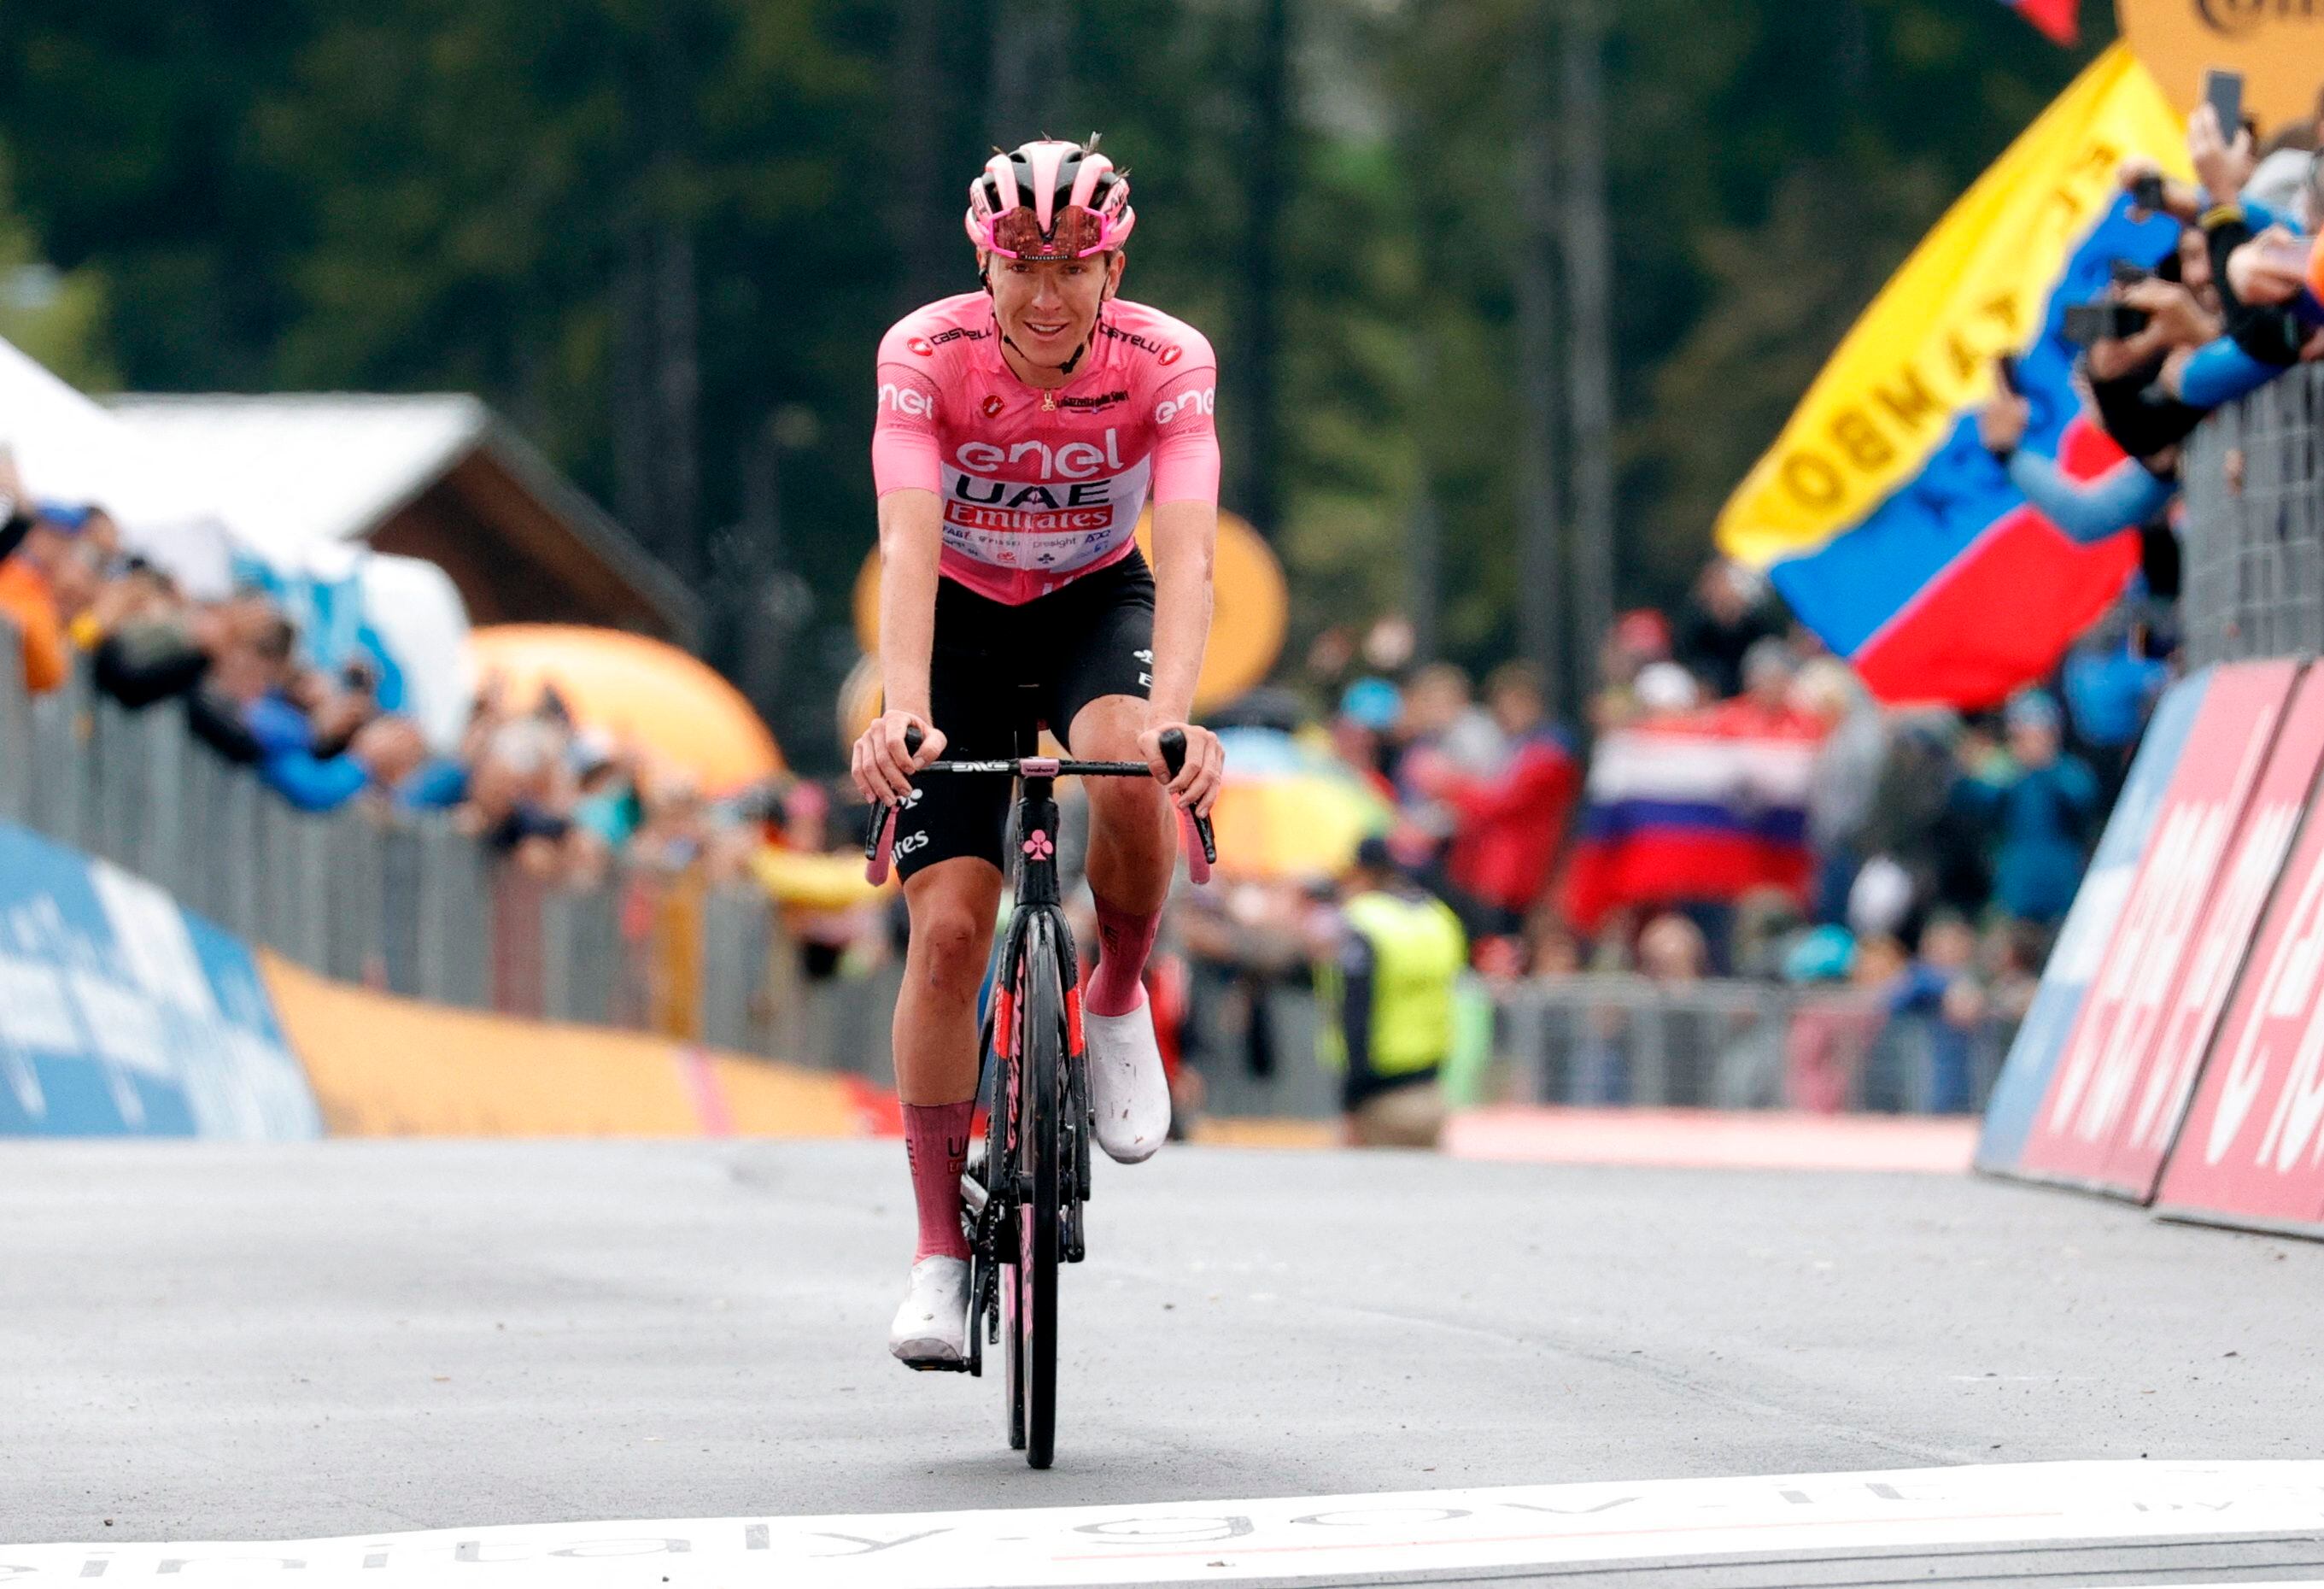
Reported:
(1195, 831)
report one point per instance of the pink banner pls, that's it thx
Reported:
(2250, 1150)
(2114, 1039)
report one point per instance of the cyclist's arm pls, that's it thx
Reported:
(911, 536)
(1185, 538)
(907, 473)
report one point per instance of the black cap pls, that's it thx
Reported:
(1373, 855)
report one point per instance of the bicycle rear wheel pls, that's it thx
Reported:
(1040, 1071)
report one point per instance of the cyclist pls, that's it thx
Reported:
(1021, 431)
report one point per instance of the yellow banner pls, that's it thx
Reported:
(1976, 286)
(2277, 44)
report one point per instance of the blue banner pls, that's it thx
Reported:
(2025, 1077)
(121, 1014)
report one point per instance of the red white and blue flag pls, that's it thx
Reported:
(1706, 806)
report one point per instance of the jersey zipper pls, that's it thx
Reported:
(1048, 400)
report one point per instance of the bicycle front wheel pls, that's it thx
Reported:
(1040, 1168)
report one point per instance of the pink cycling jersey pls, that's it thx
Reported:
(1040, 487)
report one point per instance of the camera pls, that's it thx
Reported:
(2103, 321)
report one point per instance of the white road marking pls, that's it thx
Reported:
(1218, 1541)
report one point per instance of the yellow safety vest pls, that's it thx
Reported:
(1418, 953)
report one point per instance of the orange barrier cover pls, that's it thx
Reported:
(386, 1065)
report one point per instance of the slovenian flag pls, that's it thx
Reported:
(2059, 19)
(1708, 805)
(1891, 532)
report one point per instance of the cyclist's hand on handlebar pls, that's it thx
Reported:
(881, 767)
(1196, 786)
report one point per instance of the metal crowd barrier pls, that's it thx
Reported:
(2253, 534)
(1739, 1045)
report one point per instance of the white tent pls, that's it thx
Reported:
(431, 475)
(301, 469)
(70, 448)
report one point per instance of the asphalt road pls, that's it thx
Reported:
(199, 1341)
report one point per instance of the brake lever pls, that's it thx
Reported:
(1203, 846)
(880, 837)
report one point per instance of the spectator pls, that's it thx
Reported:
(1845, 778)
(1638, 639)
(1370, 710)
(27, 603)
(1444, 726)
(1934, 1009)
(2038, 805)
(1387, 1003)
(1672, 950)
(1766, 705)
(1915, 823)
(1507, 826)
(1665, 690)
(1726, 617)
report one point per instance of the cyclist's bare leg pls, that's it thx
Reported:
(952, 905)
(1132, 847)
(1130, 859)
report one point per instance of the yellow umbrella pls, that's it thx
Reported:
(1287, 810)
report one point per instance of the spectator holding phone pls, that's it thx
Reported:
(2259, 339)
(2138, 490)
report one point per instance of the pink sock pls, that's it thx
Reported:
(936, 1141)
(1124, 940)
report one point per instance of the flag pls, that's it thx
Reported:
(2059, 19)
(1892, 533)
(1708, 805)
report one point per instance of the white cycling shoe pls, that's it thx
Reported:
(1129, 1092)
(931, 1329)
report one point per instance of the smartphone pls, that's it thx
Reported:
(2147, 192)
(2223, 91)
(2102, 322)
(2128, 273)
(2005, 370)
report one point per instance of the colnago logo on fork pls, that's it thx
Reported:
(1026, 1182)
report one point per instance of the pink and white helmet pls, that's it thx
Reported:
(1050, 200)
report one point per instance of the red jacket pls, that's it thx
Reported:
(1510, 827)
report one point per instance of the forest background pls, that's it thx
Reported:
(663, 237)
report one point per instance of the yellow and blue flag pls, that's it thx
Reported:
(1892, 533)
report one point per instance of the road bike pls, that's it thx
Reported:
(1022, 1198)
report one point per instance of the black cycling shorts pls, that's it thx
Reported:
(995, 672)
